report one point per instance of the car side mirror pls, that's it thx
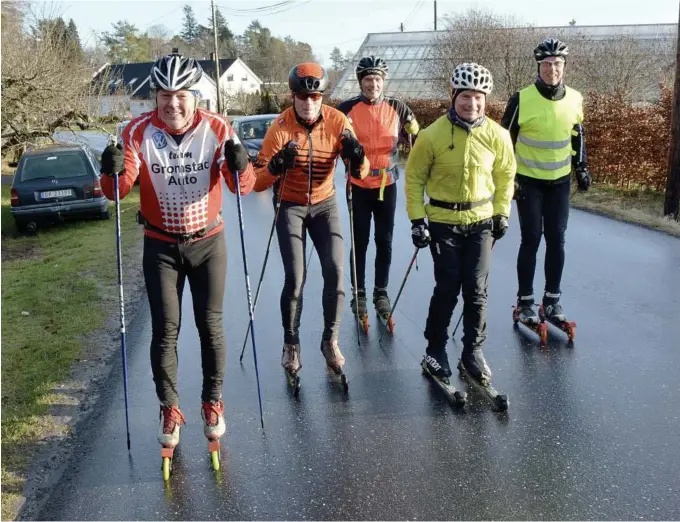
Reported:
(13, 164)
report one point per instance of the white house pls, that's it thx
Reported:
(128, 93)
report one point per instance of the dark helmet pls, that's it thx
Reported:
(371, 65)
(308, 77)
(551, 47)
(175, 72)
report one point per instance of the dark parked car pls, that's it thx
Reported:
(251, 131)
(56, 183)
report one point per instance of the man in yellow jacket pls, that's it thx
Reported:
(465, 164)
(545, 123)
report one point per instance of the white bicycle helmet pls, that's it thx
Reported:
(472, 77)
(175, 73)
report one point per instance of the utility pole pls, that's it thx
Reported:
(217, 60)
(402, 27)
(671, 205)
(435, 15)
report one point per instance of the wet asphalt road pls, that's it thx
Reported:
(593, 431)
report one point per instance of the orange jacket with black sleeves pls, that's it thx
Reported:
(311, 180)
(378, 125)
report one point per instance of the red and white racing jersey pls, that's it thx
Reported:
(180, 186)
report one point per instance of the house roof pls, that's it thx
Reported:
(132, 78)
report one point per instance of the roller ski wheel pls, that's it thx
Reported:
(363, 320)
(387, 322)
(293, 380)
(166, 466)
(498, 400)
(568, 327)
(214, 449)
(339, 376)
(539, 328)
(455, 397)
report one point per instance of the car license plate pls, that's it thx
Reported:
(50, 194)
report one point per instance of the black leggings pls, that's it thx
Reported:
(166, 266)
(365, 204)
(322, 221)
(543, 208)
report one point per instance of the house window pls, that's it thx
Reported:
(230, 77)
(244, 79)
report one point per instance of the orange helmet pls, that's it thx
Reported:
(308, 77)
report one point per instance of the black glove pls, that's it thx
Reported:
(420, 234)
(283, 159)
(518, 190)
(500, 226)
(353, 152)
(583, 179)
(237, 156)
(113, 160)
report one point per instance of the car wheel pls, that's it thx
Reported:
(106, 214)
(26, 227)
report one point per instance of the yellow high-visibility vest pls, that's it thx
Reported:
(543, 149)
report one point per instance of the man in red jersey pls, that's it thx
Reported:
(180, 153)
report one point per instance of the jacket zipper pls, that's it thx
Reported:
(309, 194)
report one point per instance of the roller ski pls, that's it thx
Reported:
(523, 312)
(214, 427)
(383, 308)
(439, 371)
(551, 311)
(290, 360)
(335, 361)
(475, 371)
(359, 308)
(171, 419)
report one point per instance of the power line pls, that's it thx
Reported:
(264, 11)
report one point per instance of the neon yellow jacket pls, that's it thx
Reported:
(481, 165)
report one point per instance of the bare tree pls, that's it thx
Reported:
(43, 87)
(501, 44)
(245, 103)
(159, 40)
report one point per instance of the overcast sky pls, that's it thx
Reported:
(325, 24)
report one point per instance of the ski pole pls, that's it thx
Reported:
(292, 144)
(251, 312)
(461, 314)
(401, 288)
(121, 301)
(354, 257)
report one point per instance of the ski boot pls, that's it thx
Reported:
(290, 360)
(383, 307)
(524, 313)
(212, 413)
(171, 419)
(474, 369)
(551, 311)
(359, 307)
(435, 364)
(335, 361)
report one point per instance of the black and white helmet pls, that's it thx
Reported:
(371, 65)
(472, 77)
(175, 73)
(551, 47)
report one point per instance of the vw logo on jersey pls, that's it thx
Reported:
(159, 140)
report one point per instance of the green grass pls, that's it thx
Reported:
(57, 287)
(640, 206)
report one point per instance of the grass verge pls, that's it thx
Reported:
(57, 288)
(642, 207)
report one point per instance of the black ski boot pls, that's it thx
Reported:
(525, 312)
(438, 364)
(360, 298)
(382, 302)
(553, 309)
(475, 365)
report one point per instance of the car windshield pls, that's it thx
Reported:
(253, 129)
(58, 165)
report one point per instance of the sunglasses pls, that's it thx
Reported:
(314, 96)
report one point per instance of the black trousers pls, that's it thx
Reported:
(462, 260)
(543, 209)
(166, 268)
(365, 205)
(322, 221)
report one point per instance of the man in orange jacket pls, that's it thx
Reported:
(378, 121)
(298, 157)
